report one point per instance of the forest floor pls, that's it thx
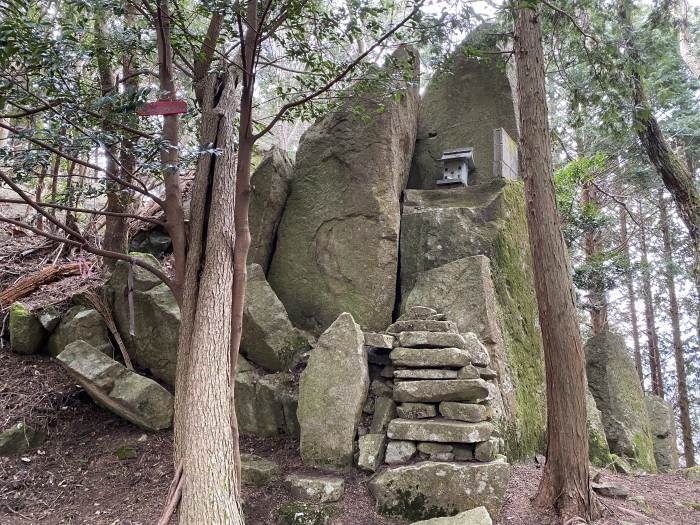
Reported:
(77, 478)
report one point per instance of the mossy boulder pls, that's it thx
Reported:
(662, 424)
(465, 252)
(27, 335)
(81, 324)
(301, 513)
(258, 471)
(338, 241)
(332, 392)
(20, 439)
(598, 449)
(614, 383)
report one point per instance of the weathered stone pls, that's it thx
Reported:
(453, 115)
(49, 318)
(81, 324)
(268, 338)
(384, 412)
(337, 244)
(464, 452)
(19, 439)
(118, 389)
(398, 452)
(418, 312)
(430, 340)
(614, 383)
(611, 490)
(444, 237)
(691, 473)
(430, 357)
(487, 373)
(469, 372)
(416, 410)
(27, 335)
(332, 391)
(265, 404)
(486, 450)
(380, 388)
(432, 489)
(439, 430)
(662, 425)
(425, 373)
(371, 451)
(598, 450)
(315, 488)
(301, 513)
(377, 340)
(469, 412)
(155, 241)
(257, 471)
(434, 448)
(477, 516)
(270, 184)
(387, 372)
(435, 390)
(422, 325)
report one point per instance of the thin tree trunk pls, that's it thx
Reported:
(657, 387)
(54, 182)
(683, 402)
(38, 195)
(631, 295)
(685, 41)
(597, 297)
(565, 483)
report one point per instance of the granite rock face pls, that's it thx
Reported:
(27, 335)
(337, 244)
(332, 392)
(598, 449)
(614, 383)
(81, 324)
(662, 424)
(118, 389)
(270, 184)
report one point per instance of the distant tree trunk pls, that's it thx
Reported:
(54, 182)
(39, 193)
(685, 41)
(657, 386)
(683, 402)
(597, 297)
(631, 296)
(565, 483)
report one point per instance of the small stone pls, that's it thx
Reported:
(480, 356)
(430, 358)
(384, 412)
(464, 452)
(371, 451)
(418, 312)
(422, 339)
(377, 340)
(487, 373)
(425, 373)
(257, 471)
(422, 325)
(319, 489)
(380, 388)
(611, 490)
(19, 439)
(416, 410)
(438, 317)
(387, 372)
(398, 452)
(469, 412)
(469, 372)
(49, 318)
(439, 430)
(487, 450)
(368, 407)
(301, 513)
(642, 503)
(435, 390)
(691, 473)
(477, 516)
(434, 448)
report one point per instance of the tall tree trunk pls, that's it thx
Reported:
(685, 41)
(39, 193)
(55, 168)
(597, 297)
(683, 402)
(565, 483)
(657, 386)
(631, 295)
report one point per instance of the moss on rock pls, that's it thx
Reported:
(27, 335)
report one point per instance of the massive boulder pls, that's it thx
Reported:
(270, 185)
(118, 389)
(81, 324)
(465, 252)
(332, 392)
(614, 383)
(598, 449)
(432, 489)
(662, 424)
(468, 97)
(268, 339)
(27, 335)
(337, 244)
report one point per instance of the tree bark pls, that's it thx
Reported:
(597, 297)
(565, 483)
(685, 41)
(678, 352)
(657, 386)
(39, 193)
(631, 295)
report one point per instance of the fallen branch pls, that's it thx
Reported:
(103, 309)
(31, 283)
(173, 498)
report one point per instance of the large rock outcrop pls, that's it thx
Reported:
(598, 449)
(662, 424)
(465, 101)
(118, 389)
(465, 252)
(614, 383)
(332, 392)
(337, 244)
(270, 187)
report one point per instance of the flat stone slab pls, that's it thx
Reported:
(257, 471)
(425, 373)
(371, 451)
(430, 357)
(469, 412)
(477, 516)
(398, 452)
(469, 372)
(422, 339)
(378, 340)
(319, 489)
(384, 412)
(435, 390)
(439, 430)
(422, 325)
(418, 312)
(416, 410)
(434, 489)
